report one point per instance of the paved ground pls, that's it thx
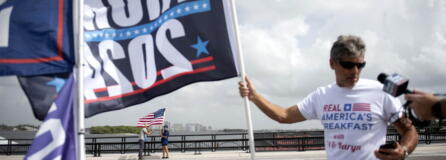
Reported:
(423, 152)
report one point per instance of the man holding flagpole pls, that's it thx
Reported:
(354, 112)
(145, 131)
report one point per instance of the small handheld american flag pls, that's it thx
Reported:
(155, 118)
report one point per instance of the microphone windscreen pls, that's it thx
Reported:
(382, 77)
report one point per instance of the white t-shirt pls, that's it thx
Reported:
(354, 120)
(142, 135)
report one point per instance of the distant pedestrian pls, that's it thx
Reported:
(145, 131)
(165, 141)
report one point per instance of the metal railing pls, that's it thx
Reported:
(268, 141)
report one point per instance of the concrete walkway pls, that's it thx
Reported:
(423, 152)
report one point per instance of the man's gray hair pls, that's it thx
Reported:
(347, 45)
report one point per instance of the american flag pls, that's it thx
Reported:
(155, 118)
(361, 107)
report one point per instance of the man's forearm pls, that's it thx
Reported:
(410, 140)
(409, 135)
(273, 111)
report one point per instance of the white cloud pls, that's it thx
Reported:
(272, 52)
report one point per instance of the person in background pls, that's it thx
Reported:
(353, 111)
(145, 131)
(165, 141)
(426, 105)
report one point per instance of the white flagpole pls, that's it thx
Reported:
(164, 115)
(79, 41)
(164, 120)
(243, 74)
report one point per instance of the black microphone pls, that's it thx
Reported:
(394, 84)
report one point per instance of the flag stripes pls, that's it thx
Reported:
(157, 83)
(155, 118)
(361, 107)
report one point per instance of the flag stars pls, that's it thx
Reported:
(178, 11)
(200, 46)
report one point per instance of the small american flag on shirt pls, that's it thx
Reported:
(155, 118)
(361, 107)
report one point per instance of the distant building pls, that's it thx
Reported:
(195, 127)
(188, 127)
(177, 127)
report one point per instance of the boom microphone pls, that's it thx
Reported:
(394, 84)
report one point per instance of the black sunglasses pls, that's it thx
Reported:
(350, 65)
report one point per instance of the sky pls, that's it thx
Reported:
(286, 45)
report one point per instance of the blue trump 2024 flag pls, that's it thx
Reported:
(36, 37)
(56, 138)
(137, 50)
